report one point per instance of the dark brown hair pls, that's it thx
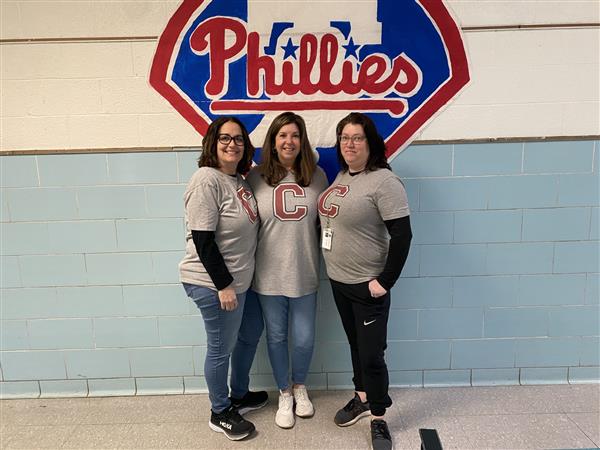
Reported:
(304, 165)
(377, 158)
(209, 158)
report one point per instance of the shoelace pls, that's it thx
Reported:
(380, 430)
(300, 395)
(286, 403)
(233, 416)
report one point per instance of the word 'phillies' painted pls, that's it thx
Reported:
(398, 61)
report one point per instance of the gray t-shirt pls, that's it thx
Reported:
(354, 208)
(224, 204)
(287, 256)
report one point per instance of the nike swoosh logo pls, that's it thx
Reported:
(365, 323)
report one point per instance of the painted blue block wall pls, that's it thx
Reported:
(501, 285)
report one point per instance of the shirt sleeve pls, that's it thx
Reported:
(390, 198)
(400, 237)
(202, 205)
(211, 258)
(320, 179)
(251, 177)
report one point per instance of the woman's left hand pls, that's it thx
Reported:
(376, 289)
(228, 299)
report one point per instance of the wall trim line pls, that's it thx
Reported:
(71, 151)
(466, 29)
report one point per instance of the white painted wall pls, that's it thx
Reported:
(527, 83)
(23, 19)
(94, 93)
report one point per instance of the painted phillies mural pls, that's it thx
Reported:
(399, 61)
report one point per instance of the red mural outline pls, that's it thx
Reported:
(459, 77)
(162, 58)
(446, 27)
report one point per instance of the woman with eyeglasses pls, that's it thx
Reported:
(222, 221)
(366, 238)
(287, 184)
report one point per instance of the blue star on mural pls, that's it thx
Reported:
(289, 49)
(351, 48)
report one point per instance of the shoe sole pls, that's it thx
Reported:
(246, 409)
(356, 419)
(231, 437)
(374, 449)
(305, 416)
(286, 427)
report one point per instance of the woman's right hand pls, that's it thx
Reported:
(228, 299)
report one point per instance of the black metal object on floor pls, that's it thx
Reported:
(429, 439)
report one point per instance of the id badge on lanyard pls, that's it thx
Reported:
(327, 238)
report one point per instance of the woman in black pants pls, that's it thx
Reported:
(366, 237)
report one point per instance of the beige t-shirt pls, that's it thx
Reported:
(224, 204)
(355, 208)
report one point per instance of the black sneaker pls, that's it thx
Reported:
(250, 401)
(352, 412)
(380, 435)
(230, 423)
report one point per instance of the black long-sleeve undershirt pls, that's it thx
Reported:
(400, 237)
(211, 258)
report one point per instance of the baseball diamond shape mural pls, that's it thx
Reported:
(398, 61)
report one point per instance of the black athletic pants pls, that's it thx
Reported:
(365, 322)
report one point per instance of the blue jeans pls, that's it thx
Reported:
(300, 312)
(221, 336)
(245, 348)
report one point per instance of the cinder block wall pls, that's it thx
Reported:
(501, 286)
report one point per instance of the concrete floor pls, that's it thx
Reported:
(519, 417)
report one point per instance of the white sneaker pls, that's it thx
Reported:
(285, 414)
(304, 407)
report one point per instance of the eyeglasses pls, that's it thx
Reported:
(355, 139)
(225, 139)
